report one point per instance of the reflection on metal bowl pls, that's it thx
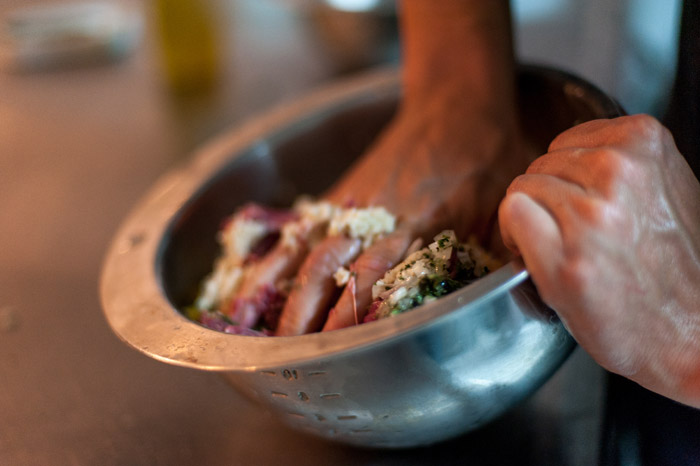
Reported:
(415, 379)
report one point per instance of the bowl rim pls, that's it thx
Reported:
(138, 311)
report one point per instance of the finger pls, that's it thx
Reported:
(545, 219)
(591, 134)
(529, 229)
(259, 286)
(314, 289)
(568, 204)
(623, 131)
(367, 269)
(599, 171)
(279, 264)
(583, 167)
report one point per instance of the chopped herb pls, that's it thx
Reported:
(437, 276)
(192, 313)
(436, 286)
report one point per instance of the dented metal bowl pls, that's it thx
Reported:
(415, 379)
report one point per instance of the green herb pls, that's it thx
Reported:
(192, 313)
(437, 285)
(407, 303)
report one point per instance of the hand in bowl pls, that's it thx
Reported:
(440, 165)
(445, 160)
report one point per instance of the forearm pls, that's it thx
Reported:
(459, 49)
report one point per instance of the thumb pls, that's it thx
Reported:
(530, 230)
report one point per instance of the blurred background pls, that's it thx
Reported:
(97, 100)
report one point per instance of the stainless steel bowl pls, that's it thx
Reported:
(415, 379)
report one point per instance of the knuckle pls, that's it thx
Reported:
(649, 130)
(587, 210)
(535, 166)
(611, 168)
(597, 214)
(517, 184)
(561, 140)
(540, 165)
(571, 137)
(568, 281)
(574, 273)
(644, 126)
(576, 135)
(606, 163)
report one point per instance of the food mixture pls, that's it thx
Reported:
(441, 268)
(263, 248)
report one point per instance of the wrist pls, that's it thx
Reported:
(460, 47)
(671, 358)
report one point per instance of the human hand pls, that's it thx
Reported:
(608, 225)
(444, 162)
(438, 166)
